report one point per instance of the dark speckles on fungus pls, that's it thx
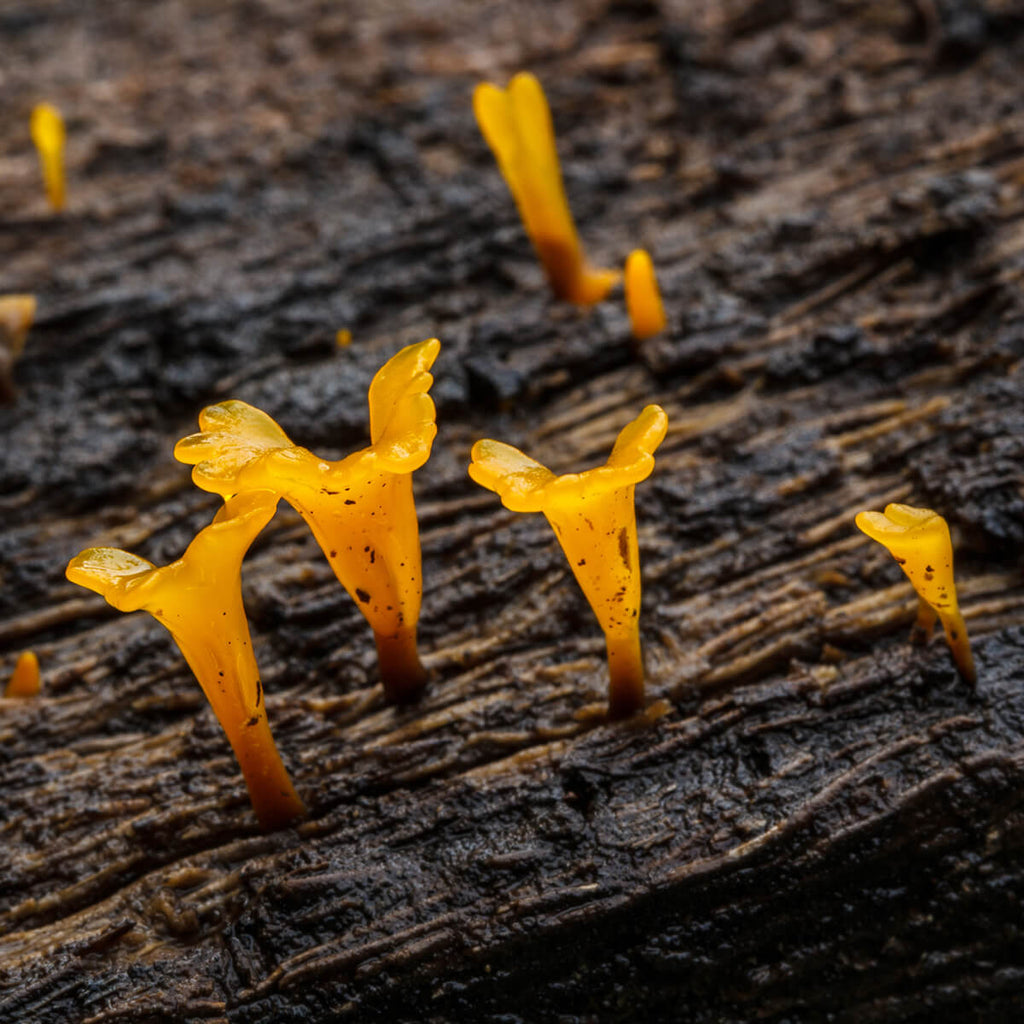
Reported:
(604, 558)
(918, 539)
(181, 597)
(241, 448)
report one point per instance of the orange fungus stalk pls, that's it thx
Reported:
(25, 680)
(199, 599)
(516, 122)
(360, 509)
(594, 519)
(643, 297)
(47, 130)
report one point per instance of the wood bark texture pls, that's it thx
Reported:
(814, 820)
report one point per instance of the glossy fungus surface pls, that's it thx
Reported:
(360, 509)
(594, 519)
(47, 130)
(199, 599)
(919, 540)
(516, 122)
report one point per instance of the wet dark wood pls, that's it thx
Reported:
(815, 819)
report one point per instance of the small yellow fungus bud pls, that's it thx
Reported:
(360, 509)
(594, 519)
(47, 130)
(918, 539)
(199, 599)
(16, 315)
(24, 681)
(343, 338)
(516, 122)
(643, 298)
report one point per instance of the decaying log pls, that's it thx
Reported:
(814, 820)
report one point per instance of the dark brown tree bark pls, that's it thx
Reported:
(815, 820)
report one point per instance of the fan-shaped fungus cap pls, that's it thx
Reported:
(47, 129)
(594, 518)
(24, 681)
(918, 539)
(643, 298)
(516, 122)
(16, 315)
(199, 599)
(360, 509)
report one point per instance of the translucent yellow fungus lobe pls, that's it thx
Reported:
(24, 681)
(593, 516)
(199, 599)
(643, 298)
(16, 315)
(360, 509)
(918, 539)
(516, 123)
(47, 130)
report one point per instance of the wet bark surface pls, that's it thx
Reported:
(815, 820)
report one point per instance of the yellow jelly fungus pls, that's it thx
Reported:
(47, 130)
(918, 539)
(594, 518)
(343, 338)
(16, 315)
(643, 298)
(24, 681)
(360, 509)
(199, 599)
(516, 122)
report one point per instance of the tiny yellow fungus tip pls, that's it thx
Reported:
(25, 680)
(643, 298)
(516, 122)
(594, 518)
(360, 509)
(16, 315)
(47, 129)
(918, 538)
(343, 338)
(199, 600)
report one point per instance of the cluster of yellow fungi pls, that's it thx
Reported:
(516, 122)
(361, 511)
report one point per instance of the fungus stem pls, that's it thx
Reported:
(199, 600)
(955, 628)
(643, 297)
(47, 130)
(25, 680)
(401, 671)
(924, 625)
(227, 672)
(625, 674)
(271, 791)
